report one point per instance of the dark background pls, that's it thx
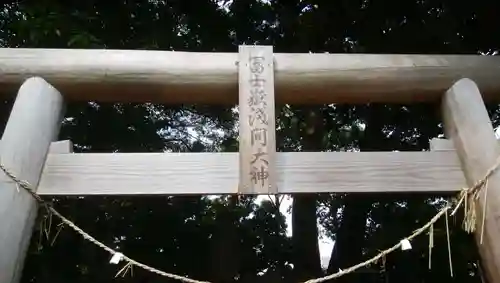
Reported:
(216, 239)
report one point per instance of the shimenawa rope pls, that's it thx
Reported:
(463, 197)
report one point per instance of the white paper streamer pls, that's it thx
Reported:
(405, 245)
(117, 257)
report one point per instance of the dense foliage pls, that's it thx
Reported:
(229, 239)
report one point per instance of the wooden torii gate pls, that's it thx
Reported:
(47, 77)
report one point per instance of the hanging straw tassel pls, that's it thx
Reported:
(484, 209)
(431, 243)
(449, 243)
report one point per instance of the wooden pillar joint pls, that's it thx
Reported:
(33, 124)
(467, 124)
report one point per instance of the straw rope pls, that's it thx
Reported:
(468, 196)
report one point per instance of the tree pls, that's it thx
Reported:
(184, 235)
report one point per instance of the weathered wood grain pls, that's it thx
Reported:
(212, 78)
(257, 127)
(217, 173)
(64, 146)
(467, 124)
(33, 124)
(443, 144)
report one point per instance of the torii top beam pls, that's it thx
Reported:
(212, 78)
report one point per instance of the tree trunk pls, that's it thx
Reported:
(225, 263)
(348, 248)
(307, 262)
